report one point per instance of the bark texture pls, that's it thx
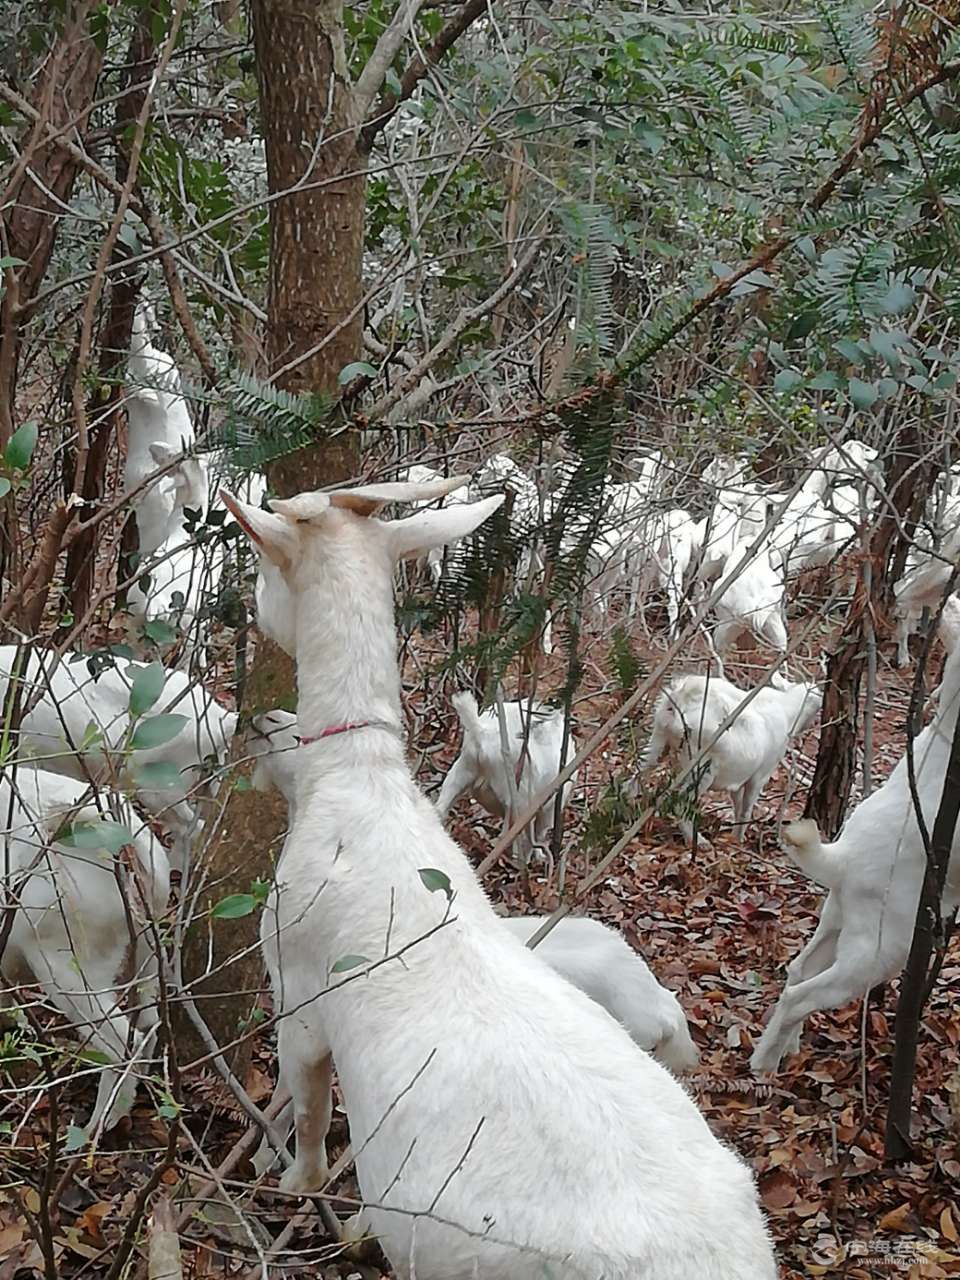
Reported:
(907, 481)
(41, 181)
(315, 288)
(114, 338)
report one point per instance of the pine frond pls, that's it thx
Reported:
(601, 264)
(265, 423)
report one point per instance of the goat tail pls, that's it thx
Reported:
(801, 840)
(465, 705)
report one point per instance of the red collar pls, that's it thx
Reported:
(345, 728)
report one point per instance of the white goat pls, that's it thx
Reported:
(156, 412)
(80, 720)
(599, 962)
(661, 556)
(437, 558)
(595, 958)
(874, 872)
(481, 770)
(528, 510)
(80, 926)
(464, 1064)
(922, 587)
(744, 757)
(177, 568)
(754, 603)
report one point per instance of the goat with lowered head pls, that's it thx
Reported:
(463, 1064)
(79, 724)
(874, 872)
(534, 747)
(745, 754)
(752, 603)
(80, 926)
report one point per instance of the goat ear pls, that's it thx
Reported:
(366, 500)
(272, 535)
(437, 528)
(162, 453)
(302, 506)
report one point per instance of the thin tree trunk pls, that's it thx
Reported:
(906, 480)
(114, 338)
(315, 289)
(30, 204)
(924, 961)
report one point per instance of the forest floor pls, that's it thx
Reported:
(717, 926)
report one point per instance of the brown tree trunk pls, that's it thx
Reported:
(42, 180)
(907, 481)
(315, 289)
(114, 338)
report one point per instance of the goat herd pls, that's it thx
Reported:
(513, 1113)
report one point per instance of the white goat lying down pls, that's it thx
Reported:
(587, 953)
(480, 769)
(741, 761)
(598, 961)
(73, 933)
(56, 734)
(874, 873)
(464, 1065)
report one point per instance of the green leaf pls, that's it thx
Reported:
(235, 906)
(851, 351)
(434, 880)
(899, 298)
(157, 775)
(146, 688)
(348, 962)
(358, 369)
(862, 394)
(802, 325)
(156, 732)
(885, 345)
(825, 381)
(160, 632)
(94, 834)
(4, 486)
(76, 1138)
(8, 261)
(20, 446)
(92, 734)
(786, 380)
(95, 1057)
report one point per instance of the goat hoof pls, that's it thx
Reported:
(300, 1181)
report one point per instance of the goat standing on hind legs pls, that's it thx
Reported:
(476, 1081)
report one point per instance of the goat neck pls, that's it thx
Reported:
(347, 650)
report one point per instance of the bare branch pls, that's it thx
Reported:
(370, 81)
(467, 317)
(418, 68)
